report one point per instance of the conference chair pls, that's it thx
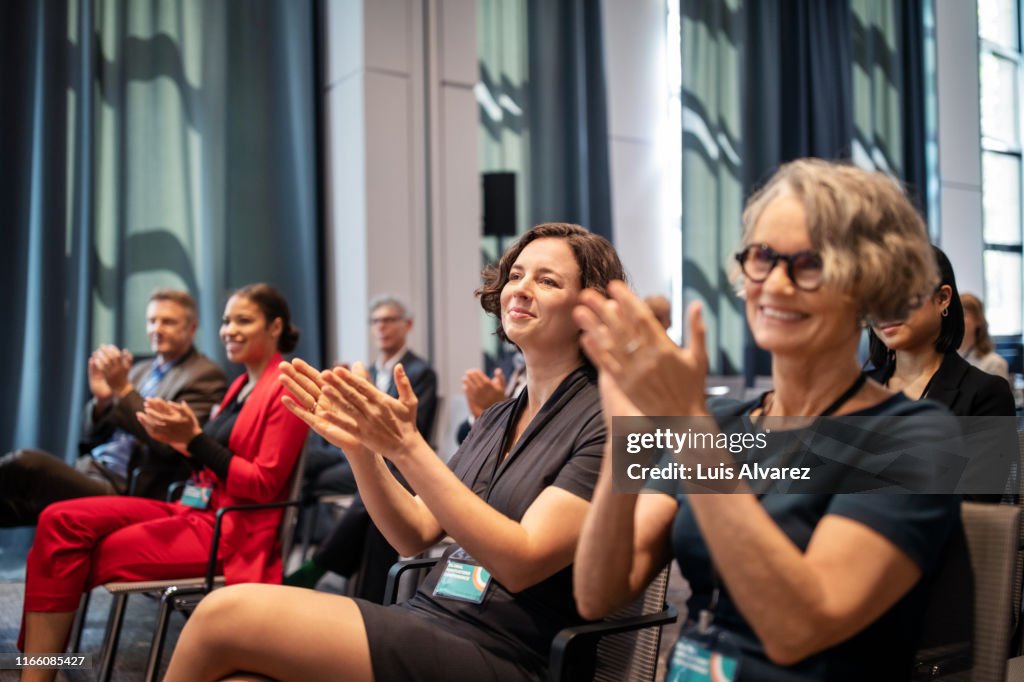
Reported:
(992, 533)
(621, 648)
(196, 586)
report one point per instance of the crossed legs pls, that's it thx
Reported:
(252, 632)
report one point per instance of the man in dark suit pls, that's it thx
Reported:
(355, 543)
(327, 472)
(118, 457)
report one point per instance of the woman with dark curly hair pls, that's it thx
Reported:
(513, 499)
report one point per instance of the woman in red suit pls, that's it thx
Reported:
(245, 454)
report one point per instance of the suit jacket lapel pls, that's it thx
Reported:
(945, 385)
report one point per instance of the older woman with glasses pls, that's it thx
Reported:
(784, 587)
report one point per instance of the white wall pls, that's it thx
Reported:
(959, 122)
(403, 201)
(635, 53)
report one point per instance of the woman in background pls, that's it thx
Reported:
(513, 499)
(918, 355)
(977, 347)
(245, 454)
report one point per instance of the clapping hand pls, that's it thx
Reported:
(482, 392)
(171, 423)
(623, 338)
(309, 403)
(113, 363)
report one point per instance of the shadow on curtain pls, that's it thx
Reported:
(837, 80)
(146, 144)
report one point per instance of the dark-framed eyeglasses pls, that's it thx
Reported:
(391, 319)
(804, 268)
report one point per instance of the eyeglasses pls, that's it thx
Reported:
(385, 320)
(804, 268)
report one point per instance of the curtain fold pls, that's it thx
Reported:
(568, 115)
(45, 147)
(798, 98)
(146, 144)
(206, 168)
(711, 44)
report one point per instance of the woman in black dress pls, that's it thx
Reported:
(513, 499)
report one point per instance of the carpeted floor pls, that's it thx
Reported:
(130, 663)
(140, 617)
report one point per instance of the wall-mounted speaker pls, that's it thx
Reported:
(499, 204)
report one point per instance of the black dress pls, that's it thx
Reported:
(507, 636)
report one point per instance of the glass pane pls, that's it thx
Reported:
(997, 21)
(999, 98)
(1003, 292)
(1000, 182)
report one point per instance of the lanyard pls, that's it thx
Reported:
(836, 404)
(707, 615)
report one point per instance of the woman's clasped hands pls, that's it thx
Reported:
(348, 410)
(172, 423)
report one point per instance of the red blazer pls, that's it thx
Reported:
(265, 441)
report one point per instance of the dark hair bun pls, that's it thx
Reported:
(289, 339)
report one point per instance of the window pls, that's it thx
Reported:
(1000, 66)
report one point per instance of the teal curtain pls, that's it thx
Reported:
(768, 81)
(889, 94)
(147, 144)
(206, 160)
(568, 115)
(45, 149)
(711, 40)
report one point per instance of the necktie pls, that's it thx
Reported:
(115, 454)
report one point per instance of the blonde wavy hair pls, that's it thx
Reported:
(873, 243)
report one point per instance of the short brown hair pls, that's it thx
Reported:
(872, 241)
(182, 298)
(595, 256)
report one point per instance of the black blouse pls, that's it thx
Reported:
(562, 447)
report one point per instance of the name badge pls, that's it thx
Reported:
(703, 653)
(196, 496)
(463, 579)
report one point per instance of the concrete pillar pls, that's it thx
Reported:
(959, 128)
(402, 182)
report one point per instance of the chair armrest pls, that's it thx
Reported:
(942, 660)
(133, 477)
(173, 488)
(177, 593)
(395, 574)
(568, 637)
(211, 566)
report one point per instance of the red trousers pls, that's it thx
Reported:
(89, 541)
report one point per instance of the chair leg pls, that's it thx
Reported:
(309, 515)
(113, 635)
(156, 648)
(79, 623)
